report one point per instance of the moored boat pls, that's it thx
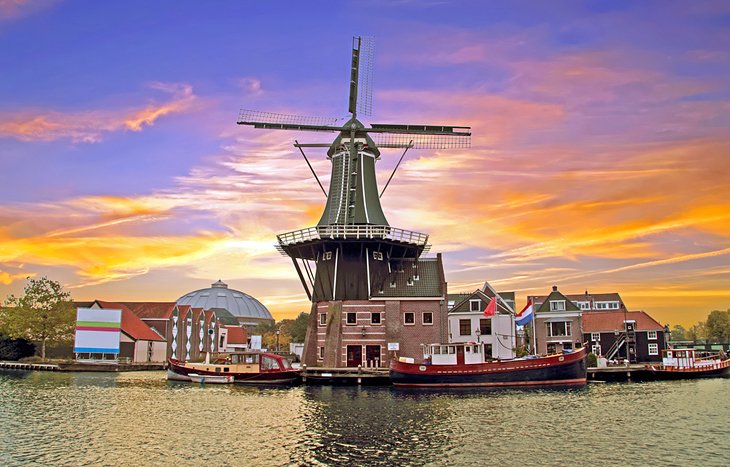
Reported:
(244, 367)
(210, 379)
(463, 365)
(689, 364)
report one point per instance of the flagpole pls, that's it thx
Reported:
(534, 334)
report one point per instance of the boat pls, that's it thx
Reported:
(210, 379)
(250, 367)
(690, 364)
(463, 365)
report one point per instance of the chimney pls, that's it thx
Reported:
(586, 293)
(555, 288)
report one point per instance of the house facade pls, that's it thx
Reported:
(633, 336)
(558, 323)
(467, 323)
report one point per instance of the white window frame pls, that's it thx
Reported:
(596, 336)
(404, 318)
(651, 335)
(596, 349)
(478, 304)
(653, 348)
(323, 319)
(320, 354)
(423, 314)
(380, 320)
(568, 329)
(555, 305)
(347, 321)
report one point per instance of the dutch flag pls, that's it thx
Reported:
(526, 315)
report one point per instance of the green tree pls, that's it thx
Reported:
(44, 314)
(679, 333)
(295, 328)
(698, 332)
(718, 325)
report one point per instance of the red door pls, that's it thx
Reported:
(459, 354)
(354, 355)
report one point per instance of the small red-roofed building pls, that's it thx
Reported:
(138, 343)
(630, 335)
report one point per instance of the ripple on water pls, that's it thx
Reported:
(142, 419)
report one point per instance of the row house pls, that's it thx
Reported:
(557, 322)
(467, 323)
(631, 335)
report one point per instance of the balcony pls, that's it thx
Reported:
(352, 232)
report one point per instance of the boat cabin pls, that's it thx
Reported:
(688, 358)
(455, 354)
(245, 362)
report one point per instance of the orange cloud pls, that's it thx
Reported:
(90, 126)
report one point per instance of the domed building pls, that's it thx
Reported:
(246, 309)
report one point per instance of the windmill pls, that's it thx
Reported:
(352, 249)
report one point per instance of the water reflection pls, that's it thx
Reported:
(142, 419)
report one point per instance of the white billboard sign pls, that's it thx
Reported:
(97, 330)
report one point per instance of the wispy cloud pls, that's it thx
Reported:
(90, 126)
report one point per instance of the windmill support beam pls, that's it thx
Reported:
(310, 167)
(410, 145)
(301, 278)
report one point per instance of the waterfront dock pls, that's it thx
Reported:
(345, 376)
(630, 372)
(83, 367)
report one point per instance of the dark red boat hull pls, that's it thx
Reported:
(722, 372)
(564, 370)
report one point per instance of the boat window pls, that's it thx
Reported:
(268, 363)
(452, 349)
(252, 358)
(287, 363)
(467, 348)
(226, 370)
(437, 350)
(234, 358)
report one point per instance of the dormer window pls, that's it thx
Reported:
(475, 305)
(557, 305)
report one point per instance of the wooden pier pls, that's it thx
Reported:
(108, 367)
(630, 372)
(345, 376)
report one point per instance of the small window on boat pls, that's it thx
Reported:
(437, 350)
(218, 370)
(452, 349)
(226, 370)
(467, 348)
(234, 358)
(268, 363)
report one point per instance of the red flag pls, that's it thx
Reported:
(491, 309)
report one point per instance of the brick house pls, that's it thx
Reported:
(632, 335)
(557, 322)
(404, 311)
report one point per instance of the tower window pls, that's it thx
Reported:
(375, 318)
(322, 319)
(351, 318)
(427, 318)
(409, 318)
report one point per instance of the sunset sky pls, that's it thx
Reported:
(600, 155)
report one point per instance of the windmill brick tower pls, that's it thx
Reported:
(373, 292)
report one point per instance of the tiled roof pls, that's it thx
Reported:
(236, 335)
(401, 282)
(160, 310)
(131, 324)
(222, 315)
(463, 306)
(611, 321)
(596, 297)
(555, 295)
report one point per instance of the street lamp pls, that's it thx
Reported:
(478, 332)
(277, 339)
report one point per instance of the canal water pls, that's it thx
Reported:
(141, 419)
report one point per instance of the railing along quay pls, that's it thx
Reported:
(29, 366)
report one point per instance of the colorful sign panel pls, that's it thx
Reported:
(97, 330)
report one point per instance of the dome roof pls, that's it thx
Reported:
(237, 303)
